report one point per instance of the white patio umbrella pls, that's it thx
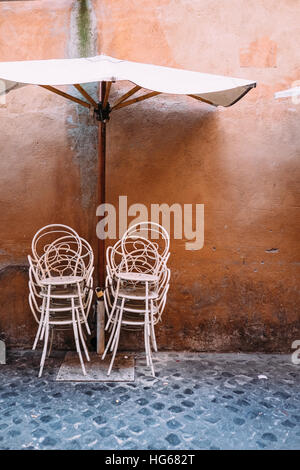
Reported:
(215, 90)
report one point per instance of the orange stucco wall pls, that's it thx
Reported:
(240, 292)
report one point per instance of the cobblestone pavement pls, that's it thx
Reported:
(197, 401)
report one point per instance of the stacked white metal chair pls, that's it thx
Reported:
(60, 286)
(137, 283)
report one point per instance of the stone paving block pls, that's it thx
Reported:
(197, 401)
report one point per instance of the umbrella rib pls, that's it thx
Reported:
(201, 99)
(107, 90)
(136, 100)
(85, 94)
(127, 95)
(66, 95)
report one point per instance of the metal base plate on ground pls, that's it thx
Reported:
(70, 370)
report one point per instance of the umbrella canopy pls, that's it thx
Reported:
(216, 90)
(289, 92)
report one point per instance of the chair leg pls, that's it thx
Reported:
(76, 337)
(105, 303)
(111, 335)
(45, 344)
(88, 304)
(41, 323)
(45, 332)
(81, 336)
(113, 341)
(113, 307)
(87, 326)
(82, 310)
(150, 360)
(153, 337)
(117, 338)
(147, 332)
(146, 342)
(146, 326)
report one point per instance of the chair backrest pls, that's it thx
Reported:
(139, 258)
(64, 248)
(87, 256)
(33, 276)
(164, 284)
(55, 233)
(60, 261)
(145, 247)
(114, 258)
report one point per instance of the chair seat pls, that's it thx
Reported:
(61, 305)
(140, 277)
(55, 307)
(136, 292)
(62, 318)
(135, 307)
(61, 280)
(135, 317)
(63, 296)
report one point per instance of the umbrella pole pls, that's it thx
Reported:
(101, 188)
(101, 243)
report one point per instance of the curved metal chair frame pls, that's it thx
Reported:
(61, 285)
(137, 284)
(49, 234)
